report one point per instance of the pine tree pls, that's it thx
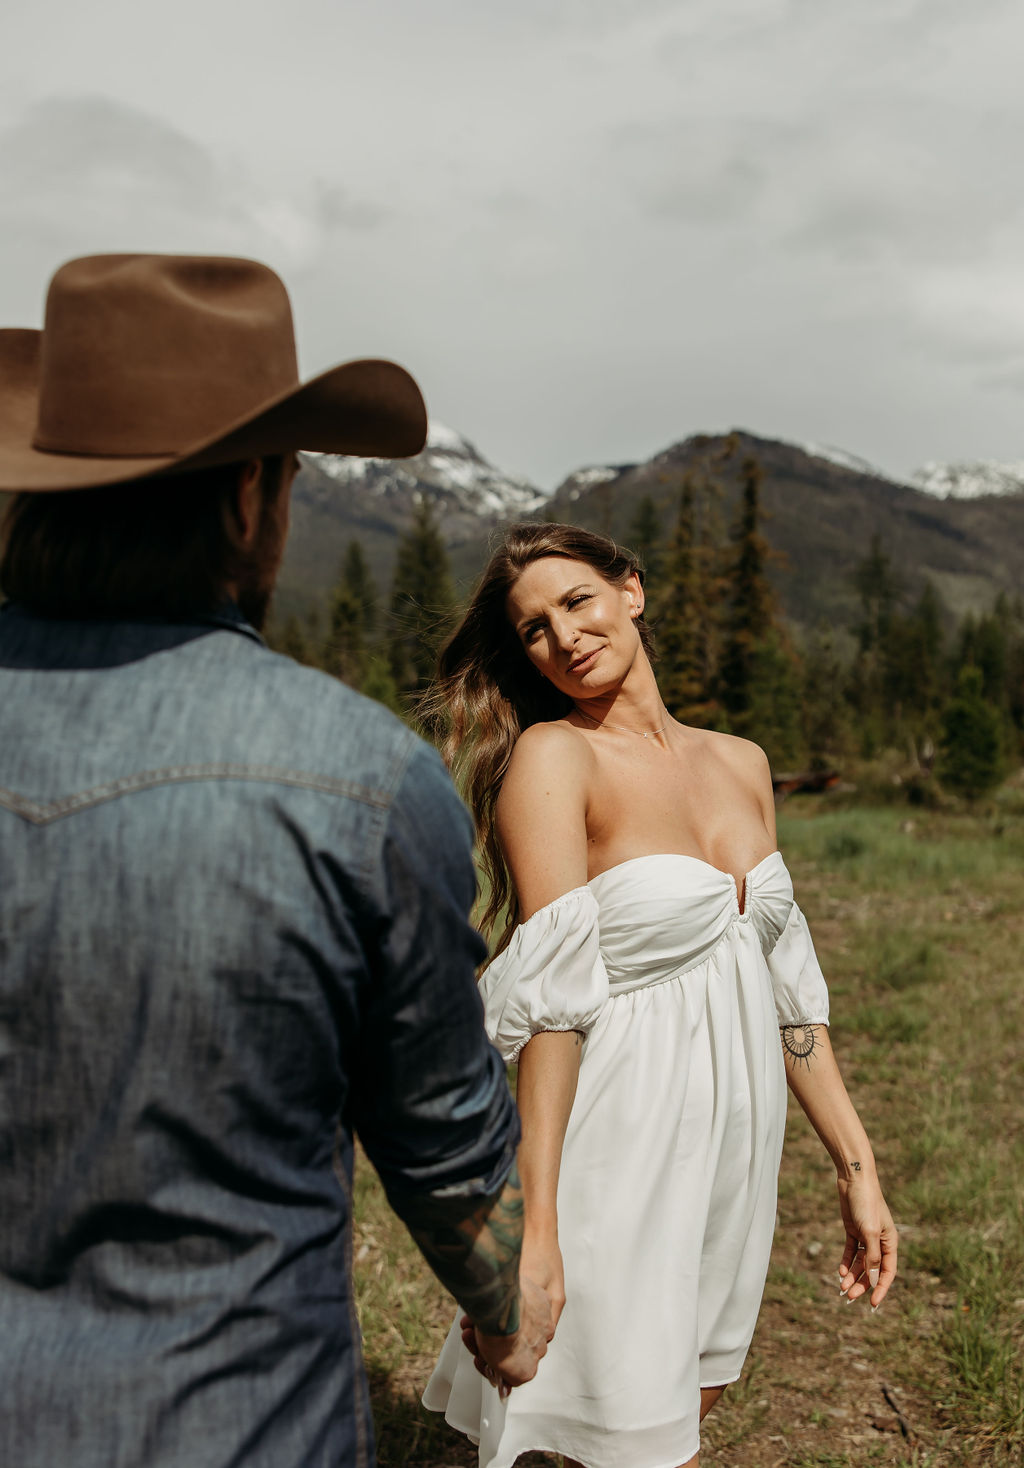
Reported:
(379, 685)
(825, 726)
(714, 569)
(984, 642)
(879, 589)
(751, 604)
(1015, 669)
(645, 539)
(971, 758)
(867, 693)
(773, 716)
(910, 675)
(422, 603)
(351, 618)
(294, 641)
(676, 618)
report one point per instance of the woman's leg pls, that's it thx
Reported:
(709, 1395)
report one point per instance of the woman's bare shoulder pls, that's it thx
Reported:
(557, 741)
(742, 755)
(540, 813)
(549, 761)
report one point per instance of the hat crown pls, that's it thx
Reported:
(148, 354)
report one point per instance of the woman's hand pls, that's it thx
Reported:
(869, 1259)
(541, 1262)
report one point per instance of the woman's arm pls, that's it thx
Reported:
(549, 1066)
(541, 822)
(869, 1258)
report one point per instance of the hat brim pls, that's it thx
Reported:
(369, 407)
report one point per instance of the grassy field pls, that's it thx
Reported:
(919, 923)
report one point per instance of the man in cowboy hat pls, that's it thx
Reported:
(233, 910)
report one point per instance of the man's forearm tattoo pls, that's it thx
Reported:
(477, 1259)
(799, 1042)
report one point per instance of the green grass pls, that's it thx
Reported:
(924, 930)
(918, 919)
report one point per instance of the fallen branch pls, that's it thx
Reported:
(890, 1397)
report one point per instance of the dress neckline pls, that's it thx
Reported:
(740, 891)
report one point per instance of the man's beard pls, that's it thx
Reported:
(253, 601)
(254, 585)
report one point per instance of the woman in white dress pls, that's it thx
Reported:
(657, 985)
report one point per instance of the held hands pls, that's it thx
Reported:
(509, 1360)
(505, 1360)
(869, 1259)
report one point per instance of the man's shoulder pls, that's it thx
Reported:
(282, 714)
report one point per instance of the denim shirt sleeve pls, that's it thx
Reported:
(432, 1105)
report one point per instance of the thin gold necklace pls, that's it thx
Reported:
(619, 728)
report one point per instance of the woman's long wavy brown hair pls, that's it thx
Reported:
(487, 691)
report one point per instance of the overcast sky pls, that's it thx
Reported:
(589, 227)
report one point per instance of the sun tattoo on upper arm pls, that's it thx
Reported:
(799, 1042)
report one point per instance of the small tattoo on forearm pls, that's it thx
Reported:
(799, 1042)
(855, 1166)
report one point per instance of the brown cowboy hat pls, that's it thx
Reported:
(157, 363)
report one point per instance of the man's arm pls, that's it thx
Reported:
(430, 1100)
(476, 1258)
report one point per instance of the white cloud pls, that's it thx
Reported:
(82, 175)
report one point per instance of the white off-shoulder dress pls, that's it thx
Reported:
(667, 1192)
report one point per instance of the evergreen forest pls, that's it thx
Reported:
(905, 701)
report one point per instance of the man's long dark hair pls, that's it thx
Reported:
(162, 547)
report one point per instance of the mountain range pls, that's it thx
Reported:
(336, 499)
(961, 525)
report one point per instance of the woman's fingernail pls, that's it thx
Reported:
(875, 1309)
(873, 1277)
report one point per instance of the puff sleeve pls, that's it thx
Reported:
(550, 977)
(801, 994)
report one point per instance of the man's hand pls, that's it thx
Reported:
(509, 1360)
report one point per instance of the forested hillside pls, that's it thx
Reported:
(819, 517)
(830, 614)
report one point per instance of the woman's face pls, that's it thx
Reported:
(576, 628)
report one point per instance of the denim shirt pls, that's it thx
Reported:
(233, 933)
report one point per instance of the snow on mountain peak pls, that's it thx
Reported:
(843, 459)
(591, 477)
(459, 477)
(969, 480)
(439, 436)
